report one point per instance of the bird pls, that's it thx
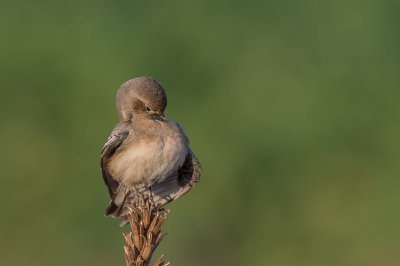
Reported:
(146, 153)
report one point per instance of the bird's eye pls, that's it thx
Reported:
(147, 109)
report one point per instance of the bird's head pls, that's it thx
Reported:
(143, 96)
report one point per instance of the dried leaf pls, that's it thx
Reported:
(147, 250)
(158, 261)
(146, 218)
(160, 222)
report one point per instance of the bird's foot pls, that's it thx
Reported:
(140, 198)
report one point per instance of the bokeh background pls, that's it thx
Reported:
(292, 107)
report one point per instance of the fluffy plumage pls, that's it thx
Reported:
(146, 152)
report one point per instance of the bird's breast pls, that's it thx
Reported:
(149, 157)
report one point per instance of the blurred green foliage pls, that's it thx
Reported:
(292, 108)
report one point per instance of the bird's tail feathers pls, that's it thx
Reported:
(116, 205)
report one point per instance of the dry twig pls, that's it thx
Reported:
(145, 220)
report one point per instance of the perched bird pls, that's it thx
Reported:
(146, 154)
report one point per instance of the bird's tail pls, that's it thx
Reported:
(117, 203)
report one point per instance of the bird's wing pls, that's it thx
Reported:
(177, 185)
(114, 141)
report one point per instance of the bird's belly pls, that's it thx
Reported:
(149, 162)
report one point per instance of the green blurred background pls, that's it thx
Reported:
(292, 107)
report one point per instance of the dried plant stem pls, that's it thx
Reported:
(145, 220)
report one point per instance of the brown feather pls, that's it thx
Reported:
(114, 141)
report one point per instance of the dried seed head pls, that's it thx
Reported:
(145, 220)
